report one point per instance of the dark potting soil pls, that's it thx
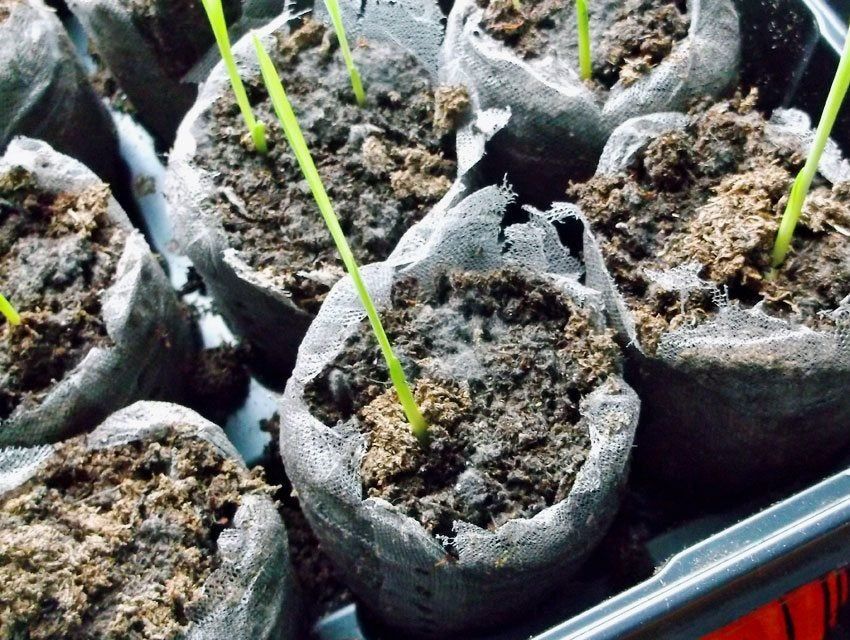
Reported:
(383, 165)
(58, 253)
(641, 34)
(106, 86)
(178, 30)
(501, 361)
(116, 543)
(322, 589)
(217, 382)
(714, 194)
(320, 582)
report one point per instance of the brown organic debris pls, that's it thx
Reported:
(714, 194)
(642, 34)
(116, 543)
(451, 104)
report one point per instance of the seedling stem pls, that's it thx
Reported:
(356, 82)
(289, 122)
(803, 181)
(9, 311)
(583, 39)
(257, 129)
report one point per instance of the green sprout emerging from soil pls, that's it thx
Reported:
(9, 311)
(257, 129)
(583, 39)
(356, 82)
(803, 181)
(289, 122)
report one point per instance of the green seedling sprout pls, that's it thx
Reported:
(9, 311)
(288, 121)
(803, 181)
(215, 13)
(356, 82)
(583, 39)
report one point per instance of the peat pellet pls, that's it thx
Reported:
(530, 425)
(101, 326)
(249, 221)
(647, 56)
(739, 370)
(150, 526)
(45, 93)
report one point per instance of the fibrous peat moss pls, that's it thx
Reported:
(58, 252)
(116, 543)
(714, 195)
(500, 362)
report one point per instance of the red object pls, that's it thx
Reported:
(806, 613)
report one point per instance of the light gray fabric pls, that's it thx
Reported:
(558, 125)
(389, 559)
(251, 594)
(44, 92)
(151, 339)
(729, 403)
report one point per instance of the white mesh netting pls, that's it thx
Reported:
(559, 124)
(149, 337)
(255, 306)
(389, 559)
(44, 91)
(141, 63)
(251, 594)
(742, 390)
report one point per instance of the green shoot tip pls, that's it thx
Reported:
(9, 312)
(258, 136)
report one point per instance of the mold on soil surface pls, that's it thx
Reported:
(178, 30)
(713, 195)
(58, 253)
(383, 165)
(641, 34)
(500, 362)
(116, 543)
